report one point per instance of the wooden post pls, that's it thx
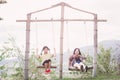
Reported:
(61, 40)
(27, 50)
(95, 47)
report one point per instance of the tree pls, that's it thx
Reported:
(118, 59)
(2, 2)
(0, 18)
(104, 59)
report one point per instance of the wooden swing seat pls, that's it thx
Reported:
(44, 67)
(75, 69)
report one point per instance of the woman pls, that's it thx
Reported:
(76, 60)
(46, 59)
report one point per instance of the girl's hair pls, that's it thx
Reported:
(78, 50)
(44, 48)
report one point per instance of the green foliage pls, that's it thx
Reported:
(103, 60)
(18, 75)
(10, 50)
(99, 77)
(3, 1)
(88, 60)
(4, 53)
(34, 72)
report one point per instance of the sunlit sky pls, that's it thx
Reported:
(76, 34)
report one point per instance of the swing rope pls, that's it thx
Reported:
(36, 37)
(54, 49)
(67, 27)
(74, 69)
(86, 37)
(53, 37)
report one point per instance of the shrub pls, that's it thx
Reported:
(103, 60)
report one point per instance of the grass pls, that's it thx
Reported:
(98, 77)
(87, 76)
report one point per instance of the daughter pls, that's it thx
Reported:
(76, 60)
(46, 59)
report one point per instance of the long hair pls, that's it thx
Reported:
(78, 50)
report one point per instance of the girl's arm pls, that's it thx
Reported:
(71, 60)
(38, 56)
(82, 57)
(54, 55)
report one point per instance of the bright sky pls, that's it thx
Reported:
(76, 34)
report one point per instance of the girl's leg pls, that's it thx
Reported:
(49, 64)
(46, 66)
(84, 66)
(77, 65)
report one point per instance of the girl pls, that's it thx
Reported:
(76, 60)
(46, 59)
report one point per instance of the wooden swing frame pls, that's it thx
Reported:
(44, 67)
(62, 20)
(75, 69)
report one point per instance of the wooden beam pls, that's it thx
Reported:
(57, 20)
(44, 67)
(74, 69)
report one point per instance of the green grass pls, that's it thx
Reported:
(98, 77)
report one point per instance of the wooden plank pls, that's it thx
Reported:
(56, 20)
(75, 69)
(44, 67)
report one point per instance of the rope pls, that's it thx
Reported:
(86, 38)
(36, 37)
(67, 27)
(53, 38)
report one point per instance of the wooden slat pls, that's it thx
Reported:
(56, 20)
(75, 69)
(44, 67)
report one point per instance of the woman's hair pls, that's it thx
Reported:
(78, 50)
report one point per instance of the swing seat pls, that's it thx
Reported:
(44, 67)
(75, 69)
